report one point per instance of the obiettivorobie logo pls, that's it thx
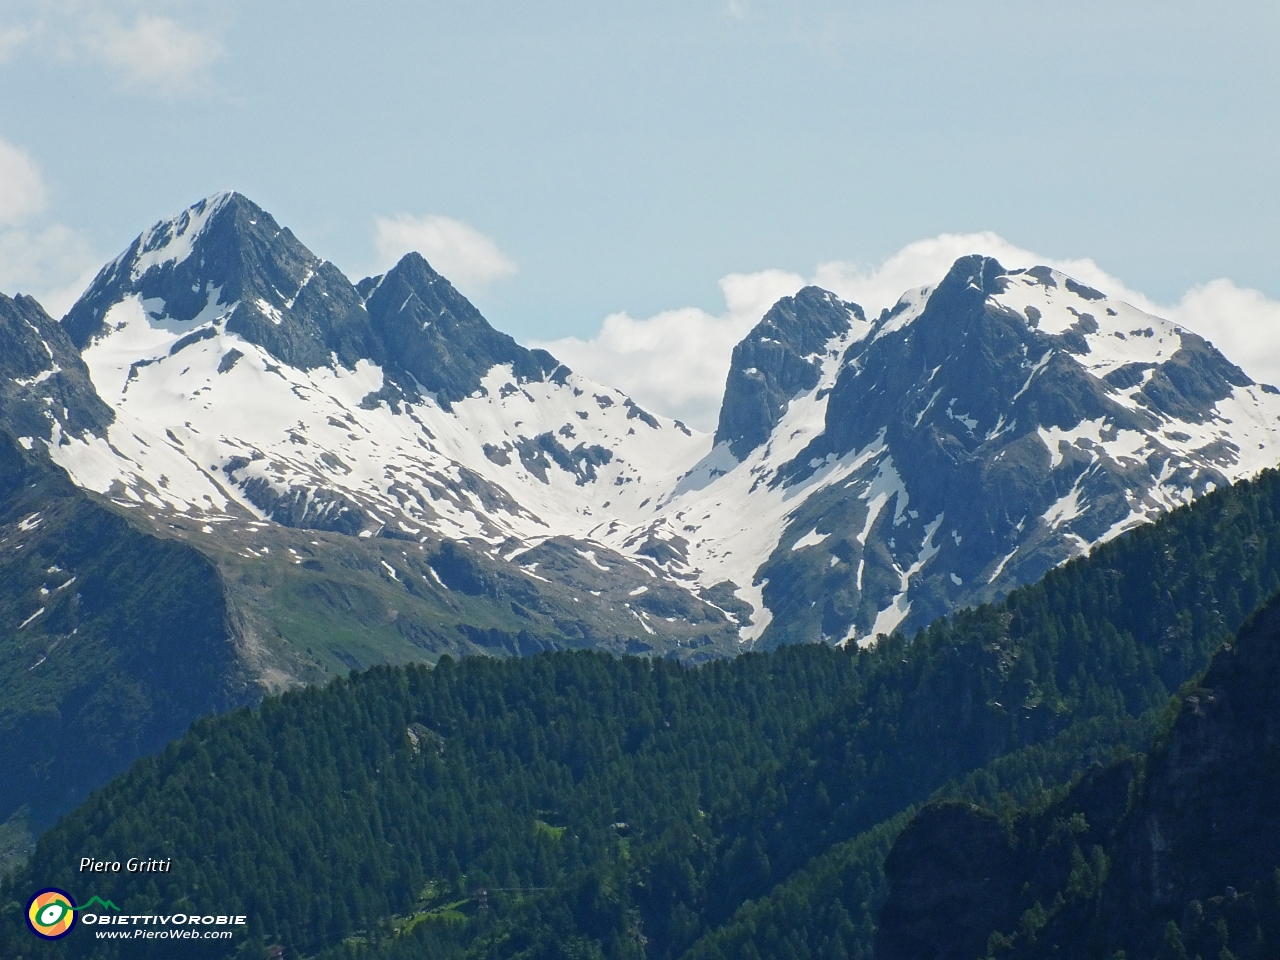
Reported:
(51, 915)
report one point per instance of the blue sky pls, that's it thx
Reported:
(568, 161)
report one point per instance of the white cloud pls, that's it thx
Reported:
(927, 261)
(676, 362)
(156, 54)
(52, 263)
(22, 192)
(147, 51)
(458, 251)
(10, 39)
(1244, 324)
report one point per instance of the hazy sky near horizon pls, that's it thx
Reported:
(568, 162)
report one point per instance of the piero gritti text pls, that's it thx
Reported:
(132, 865)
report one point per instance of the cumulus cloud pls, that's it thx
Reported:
(458, 251)
(11, 38)
(927, 261)
(155, 54)
(1244, 324)
(22, 192)
(147, 52)
(53, 263)
(676, 362)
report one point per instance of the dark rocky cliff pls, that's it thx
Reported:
(434, 333)
(43, 381)
(778, 359)
(993, 446)
(226, 258)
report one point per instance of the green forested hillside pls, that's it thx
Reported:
(1079, 656)
(325, 810)
(1174, 855)
(629, 807)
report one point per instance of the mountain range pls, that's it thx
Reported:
(331, 475)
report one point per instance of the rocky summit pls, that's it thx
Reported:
(983, 431)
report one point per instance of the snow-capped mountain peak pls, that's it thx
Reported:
(865, 475)
(171, 241)
(436, 336)
(1011, 419)
(783, 355)
(226, 260)
(288, 395)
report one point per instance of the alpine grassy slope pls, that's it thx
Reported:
(637, 807)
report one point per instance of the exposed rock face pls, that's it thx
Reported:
(44, 385)
(1206, 824)
(226, 260)
(251, 381)
(780, 358)
(1006, 437)
(435, 334)
(1172, 857)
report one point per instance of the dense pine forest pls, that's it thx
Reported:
(578, 805)
(1169, 856)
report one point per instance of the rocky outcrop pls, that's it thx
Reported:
(43, 381)
(781, 357)
(434, 333)
(997, 439)
(226, 260)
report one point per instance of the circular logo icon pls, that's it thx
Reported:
(51, 914)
